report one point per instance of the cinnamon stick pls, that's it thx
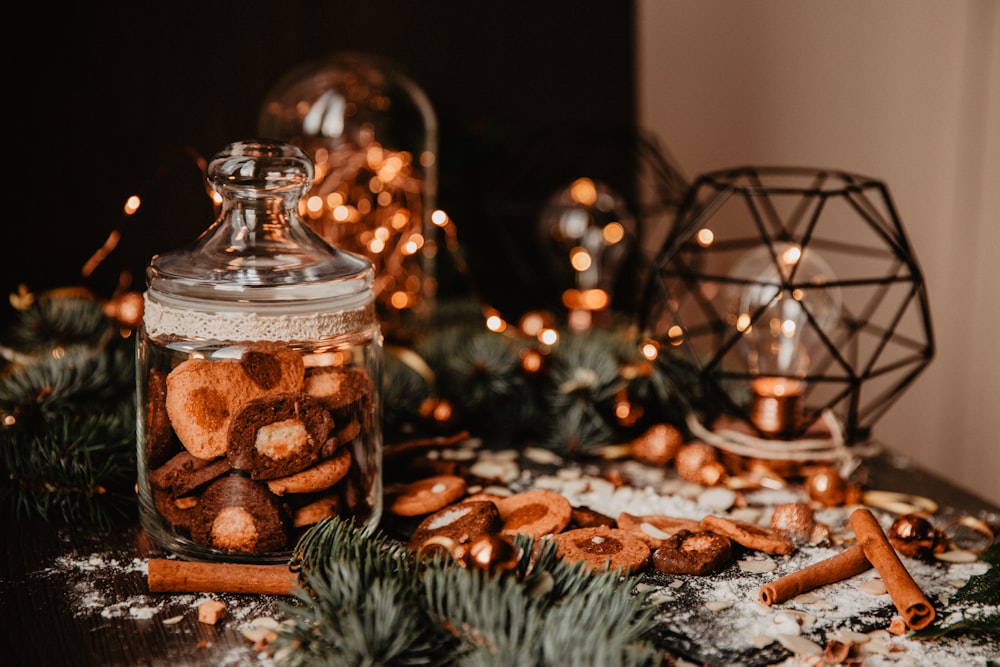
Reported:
(177, 576)
(910, 601)
(842, 566)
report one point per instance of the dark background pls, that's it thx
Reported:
(119, 99)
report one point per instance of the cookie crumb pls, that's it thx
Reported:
(211, 612)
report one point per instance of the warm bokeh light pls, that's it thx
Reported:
(369, 199)
(314, 207)
(548, 336)
(439, 218)
(594, 299)
(676, 335)
(442, 411)
(583, 191)
(132, 204)
(532, 323)
(341, 213)
(705, 237)
(613, 233)
(791, 255)
(531, 361)
(580, 259)
(496, 323)
(650, 349)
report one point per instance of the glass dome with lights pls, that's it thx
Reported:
(372, 134)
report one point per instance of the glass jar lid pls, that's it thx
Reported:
(259, 254)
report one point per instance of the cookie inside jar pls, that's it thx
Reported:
(241, 458)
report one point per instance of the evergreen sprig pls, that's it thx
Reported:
(975, 607)
(67, 400)
(567, 405)
(359, 605)
(371, 602)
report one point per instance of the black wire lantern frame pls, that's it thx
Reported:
(868, 346)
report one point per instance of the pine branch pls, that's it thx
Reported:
(60, 318)
(369, 601)
(583, 379)
(67, 395)
(509, 620)
(360, 603)
(975, 607)
(480, 372)
(404, 390)
(78, 470)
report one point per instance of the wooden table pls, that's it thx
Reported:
(78, 596)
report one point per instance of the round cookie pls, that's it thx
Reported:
(426, 495)
(461, 523)
(749, 535)
(277, 435)
(321, 476)
(699, 553)
(178, 511)
(655, 529)
(312, 512)
(346, 393)
(537, 512)
(240, 515)
(184, 473)
(601, 547)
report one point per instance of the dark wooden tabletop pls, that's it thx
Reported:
(79, 596)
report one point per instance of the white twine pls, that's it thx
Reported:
(804, 449)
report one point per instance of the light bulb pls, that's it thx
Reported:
(780, 297)
(587, 234)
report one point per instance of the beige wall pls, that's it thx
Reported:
(907, 91)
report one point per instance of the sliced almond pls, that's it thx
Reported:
(757, 566)
(873, 587)
(957, 556)
(799, 645)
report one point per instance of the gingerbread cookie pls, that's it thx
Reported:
(240, 515)
(159, 433)
(698, 553)
(277, 435)
(601, 547)
(426, 495)
(459, 523)
(655, 529)
(346, 393)
(312, 512)
(319, 477)
(178, 511)
(184, 473)
(749, 535)
(537, 512)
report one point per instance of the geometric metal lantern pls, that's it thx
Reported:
(787, 302)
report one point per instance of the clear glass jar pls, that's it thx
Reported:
(259, 366)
